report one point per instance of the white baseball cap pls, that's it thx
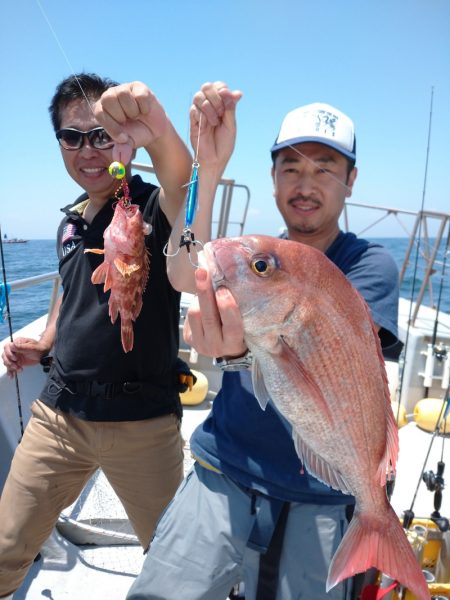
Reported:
(318, 122)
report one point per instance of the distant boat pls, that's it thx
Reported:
(13, 240)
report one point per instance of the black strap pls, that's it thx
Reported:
(265, 521)
(269, 562)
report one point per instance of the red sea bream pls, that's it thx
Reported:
(318, 358)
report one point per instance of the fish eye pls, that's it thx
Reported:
(263, 265)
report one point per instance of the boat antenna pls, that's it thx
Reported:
(8, 316)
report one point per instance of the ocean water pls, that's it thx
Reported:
(39, 256)
(32, 258)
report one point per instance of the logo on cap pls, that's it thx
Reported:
(325, 123)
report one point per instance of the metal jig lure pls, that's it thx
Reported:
(187, 235)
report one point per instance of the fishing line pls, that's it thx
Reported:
(116, 169)
(8, 315)
(187, 235)
(63, 53)
(313, 162)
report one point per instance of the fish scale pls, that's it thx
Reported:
(317, 358)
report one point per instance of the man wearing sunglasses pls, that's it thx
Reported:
(102, 407)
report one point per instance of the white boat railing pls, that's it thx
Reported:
(423, 222)
(426, 235)
(227, 189)
(21, 284)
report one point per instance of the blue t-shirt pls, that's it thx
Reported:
(255, 447)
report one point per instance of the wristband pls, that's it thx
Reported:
(235, 364)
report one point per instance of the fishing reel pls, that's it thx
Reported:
(435, 483)
(440, 352)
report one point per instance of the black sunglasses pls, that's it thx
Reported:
(73, 139)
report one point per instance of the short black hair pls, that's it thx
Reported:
(74, 87)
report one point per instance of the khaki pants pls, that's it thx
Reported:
(142, 460)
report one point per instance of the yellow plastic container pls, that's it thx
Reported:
(399, 414)
(198, 392)
(426, 414)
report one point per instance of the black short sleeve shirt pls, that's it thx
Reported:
(88, 346)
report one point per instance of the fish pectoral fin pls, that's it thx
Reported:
(100, 274)
(124, 269)
(259, 387)
(309, 385)
(94, 251)
(318, 467)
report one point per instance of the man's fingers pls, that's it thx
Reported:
(120, 102)
(144, 97)
(122, 153)
(112, 126)
(209, 312)
(230, 98)
(212, 101)
(205, 291)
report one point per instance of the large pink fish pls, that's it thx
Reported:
(318, 358)
(125, 268)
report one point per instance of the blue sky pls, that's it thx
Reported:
(376, 61)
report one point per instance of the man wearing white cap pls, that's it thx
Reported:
(248, 511)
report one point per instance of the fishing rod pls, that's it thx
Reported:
(417, 254)
(8, 316)
(433, 481)
(433, 351)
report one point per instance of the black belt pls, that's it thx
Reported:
(108, 390)
(104, 390)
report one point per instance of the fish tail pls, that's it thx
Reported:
(380, 543)
(127, 335)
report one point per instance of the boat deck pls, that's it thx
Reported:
(67, 571)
